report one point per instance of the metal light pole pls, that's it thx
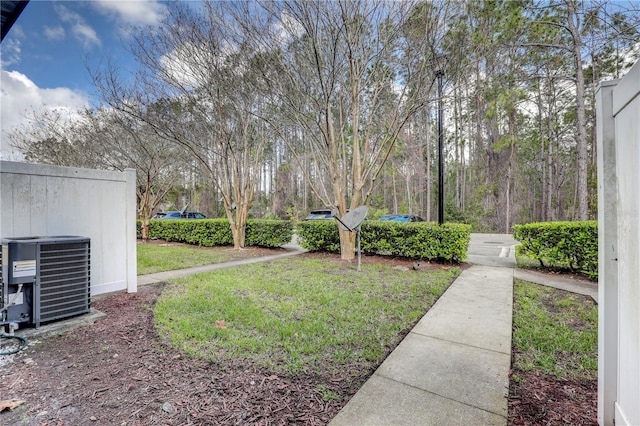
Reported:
(439, 75)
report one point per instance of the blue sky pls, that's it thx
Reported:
(45, 55)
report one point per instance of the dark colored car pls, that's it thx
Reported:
(319, 214)
(179, 215)
(401, 218)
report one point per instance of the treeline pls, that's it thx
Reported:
(268, 109)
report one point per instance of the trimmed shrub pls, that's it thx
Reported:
(268, 233)
(319, 235)
(416, 240)
(572, 245)
(217, 232)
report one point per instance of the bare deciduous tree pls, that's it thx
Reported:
(342, 72)
(104, 139)
(196, 80)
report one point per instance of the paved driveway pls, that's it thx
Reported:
(492, 250)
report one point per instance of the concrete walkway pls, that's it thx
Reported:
(159, 277)
(453, 367)
(574, 285)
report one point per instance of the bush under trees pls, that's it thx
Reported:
(216, 232)
(428, 241)
(572, 245)
(420, 240)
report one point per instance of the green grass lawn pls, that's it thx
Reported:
(299, 314)
(306, 314)
(555, 331)
(554, 353)
(526, 262)
(154, 258)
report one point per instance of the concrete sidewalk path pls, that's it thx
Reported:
(453, 366)
(574, 285)
(159, 277)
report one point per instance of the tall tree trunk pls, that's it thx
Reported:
(456, 118)
(407, 180)
(581, 136)
(551, 139)
(395, 192)
(543, 166)
(508, 198)
(427, 150)
(507, 228)
(550, 172)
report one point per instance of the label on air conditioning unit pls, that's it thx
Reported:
(16, 299)
(24, 268)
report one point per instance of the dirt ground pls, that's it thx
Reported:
(118, 372)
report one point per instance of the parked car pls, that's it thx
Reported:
(401, 218)
(179, 215)
(319, 214)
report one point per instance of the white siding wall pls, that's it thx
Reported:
(619, 254)
(42, 200)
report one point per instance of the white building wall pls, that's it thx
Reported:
(619, 255)
(43, 200)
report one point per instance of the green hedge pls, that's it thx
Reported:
(217, 232)
(319, 235)
(572, 245)
(422, 240)
(268, 233)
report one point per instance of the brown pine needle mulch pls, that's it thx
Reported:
(117, 372)
(542, 399)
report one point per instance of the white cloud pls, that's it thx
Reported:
(19, 96)
(86, 35)
(138, 12)
(180, 68)
(288, 28)
(79, 27)
(10, 52)
(54, 33)
(190, 65)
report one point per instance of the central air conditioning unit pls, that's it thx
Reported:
(44, 279)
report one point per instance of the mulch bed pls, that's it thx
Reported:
(541, 399)
(538, 398)
(119, 372)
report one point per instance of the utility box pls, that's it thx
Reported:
(44, 279)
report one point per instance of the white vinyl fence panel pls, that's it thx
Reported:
(42, 200)
(618, 112)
